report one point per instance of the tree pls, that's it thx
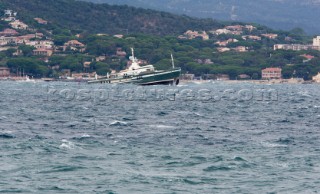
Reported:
(10, 51)
(26, 50)
(101, 68)
(29, 65)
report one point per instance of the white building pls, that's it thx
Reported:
(295, 47)
(221, 31)
(316, 78)
(316, 41)
(42, 44)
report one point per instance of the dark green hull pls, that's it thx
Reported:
(155, 78)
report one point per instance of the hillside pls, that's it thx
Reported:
(60, 38)
(279, 14)
(111, 19)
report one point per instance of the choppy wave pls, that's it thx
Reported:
(221, 146)
(67, 145)
(118, 123)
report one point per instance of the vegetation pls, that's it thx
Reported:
(110, 19)
(154, 37)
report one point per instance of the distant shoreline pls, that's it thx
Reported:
(279, 81)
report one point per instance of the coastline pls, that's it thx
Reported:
(277, 81)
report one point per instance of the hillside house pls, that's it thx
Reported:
(42, 52)
(9, 32)
(7, 40)
(17, 24)
(241, 49)
(39, 35)
(195, 34)
(270, 36)
(221, 31)
(251, 37)
(87, 64)
(307, 58)
(27, 36)
(250, 27)
(226, 42)
(271, 73)
(74, 45)
(235, 28)
(9, 15)
(223, 49)
(42, 44)
(118, 36)
(41, 21)
(295, 47)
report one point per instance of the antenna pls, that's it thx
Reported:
(172, 60)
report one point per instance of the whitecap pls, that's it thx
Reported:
(118, 123)
(3, 117)
(306, 94)
(67, 144)
(198, 114)
(280, 165)
(162, 126)
(272, 145)
(85, 136)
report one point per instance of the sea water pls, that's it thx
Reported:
(194, 138)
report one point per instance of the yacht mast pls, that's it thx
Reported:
(172, 60)
(132, 54)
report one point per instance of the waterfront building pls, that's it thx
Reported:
(316, 78)
(272, 73)
(4, 72)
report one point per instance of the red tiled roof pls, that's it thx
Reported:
(272, 69)
(307, 56)
(9, 31)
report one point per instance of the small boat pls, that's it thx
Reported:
(142, 75)
(25, 79)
